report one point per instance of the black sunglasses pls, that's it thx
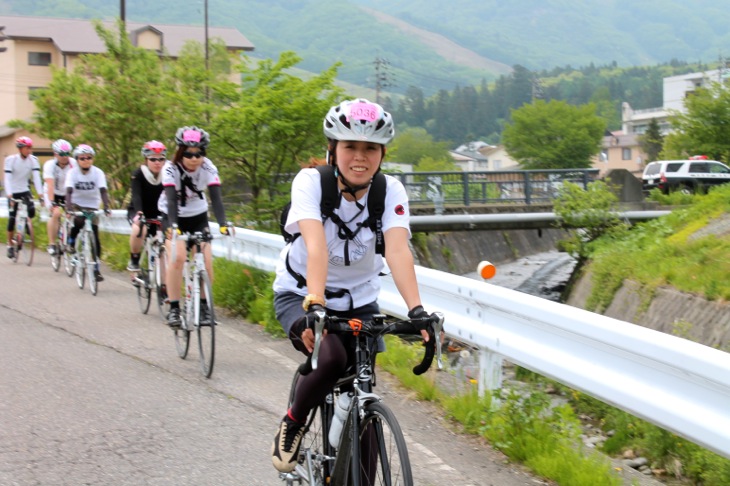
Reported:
(190, 155)
(84, 158)
(155, 159)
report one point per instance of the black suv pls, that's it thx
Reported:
(694, 175)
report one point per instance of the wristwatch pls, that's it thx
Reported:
(312, 299)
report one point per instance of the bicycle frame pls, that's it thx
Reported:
(345, 465)
(21, 215)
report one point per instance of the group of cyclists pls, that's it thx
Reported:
(169, 190)
(340, 268)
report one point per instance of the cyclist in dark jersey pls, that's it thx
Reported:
(146, 190)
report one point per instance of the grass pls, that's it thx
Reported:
(667, 251)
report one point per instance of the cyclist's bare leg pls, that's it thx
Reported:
(208, 257)
(174, 270)
(53, 223)
(136, 242)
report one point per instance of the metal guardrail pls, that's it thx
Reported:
(674, 383)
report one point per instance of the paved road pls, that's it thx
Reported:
(92, 392)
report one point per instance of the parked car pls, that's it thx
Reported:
(696, 174)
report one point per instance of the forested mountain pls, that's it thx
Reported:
(457, 68)
(435, 44)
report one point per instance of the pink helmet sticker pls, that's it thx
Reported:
(191, 136)
(368, 112)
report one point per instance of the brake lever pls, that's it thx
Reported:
(320, 317)
(438, 327)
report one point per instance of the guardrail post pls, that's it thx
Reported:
(490, 371)
(528, 187)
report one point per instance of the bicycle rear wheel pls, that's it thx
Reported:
(383, 452)
(182, 334)
(144, 288)
(163, 303)
(206, 331)
(91, 265)
(28, 243)
(17, 246)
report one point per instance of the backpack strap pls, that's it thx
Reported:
(376, 208)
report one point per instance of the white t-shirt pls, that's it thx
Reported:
(51, 170)
(18, 172)
(361, 276)
(86, 187)
(190, 187)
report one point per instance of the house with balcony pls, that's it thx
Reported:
(34, 44)
(480, 156)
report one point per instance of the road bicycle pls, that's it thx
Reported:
(371, 449)
(150, 278)
(196, 282)
(60, 253)
(86, 257)
(23, 241)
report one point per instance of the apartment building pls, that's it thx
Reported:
(34, 44)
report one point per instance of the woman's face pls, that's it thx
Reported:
(192, 158)
(154, 163)
(85, 161)
(358, 161)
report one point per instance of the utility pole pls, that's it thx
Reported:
(382, 76)
(207, 63)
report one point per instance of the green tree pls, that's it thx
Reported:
(267, 126)
(117, 100)
(651, 141)
(554, 135)
(429, 164)
(413, 144)
(589, 213)
(704, 128)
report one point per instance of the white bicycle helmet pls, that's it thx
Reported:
(359, 119)
(62, 147)
(192, 137)
(152, 148)
(84, 149)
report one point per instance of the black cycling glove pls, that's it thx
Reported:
(417, 312)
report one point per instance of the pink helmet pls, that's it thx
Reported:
(23, 142)
(152, 148)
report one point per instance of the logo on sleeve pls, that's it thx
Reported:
(400, 210)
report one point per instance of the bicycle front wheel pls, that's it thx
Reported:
(206, 330)
(28, 243)
(91, 265)
(383, 452)
(17, 245)
(144, 288)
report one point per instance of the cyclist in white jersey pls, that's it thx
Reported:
(19, 169)
(184, 208)
(85, 190)
(54, 176)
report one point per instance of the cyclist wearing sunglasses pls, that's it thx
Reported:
(54, 177)
(146, 191)
(184, 208)
(85, 190)
(19, 169)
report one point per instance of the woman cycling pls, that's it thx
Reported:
(146, 190)
(54, 176)
(85, 191)
(20, 168)
(341, 266)
(184, 208)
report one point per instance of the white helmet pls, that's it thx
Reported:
(192, 137)
(84, 149)
(359, 119)
(62, 147)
